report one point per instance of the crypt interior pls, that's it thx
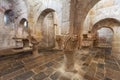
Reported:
(59, 39)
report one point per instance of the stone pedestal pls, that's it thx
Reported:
(69, 61)
(35, 49)
(35, 44)
(70, 45)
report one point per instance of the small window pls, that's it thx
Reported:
(24, 23)
(9, 17)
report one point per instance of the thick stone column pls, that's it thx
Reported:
(70, 45)
(35, 42)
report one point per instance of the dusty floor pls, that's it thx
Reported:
(92, 64)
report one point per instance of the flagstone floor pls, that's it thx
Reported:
(90, 64)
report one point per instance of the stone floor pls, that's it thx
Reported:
(91, 64)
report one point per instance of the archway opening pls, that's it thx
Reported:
(48, 24)
(105, 36)
(22, 28)
(24, 23)
(112, 26)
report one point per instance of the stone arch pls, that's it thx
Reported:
(47, 31)
(107, 22)
(43, 14)
(22, 29)
(101, 10)
(106, 27)
(104, 37)
(49, 4)
(114, 25)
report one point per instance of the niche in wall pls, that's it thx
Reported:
(8, 17)
(24, 23)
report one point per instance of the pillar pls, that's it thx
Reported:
(69, 62)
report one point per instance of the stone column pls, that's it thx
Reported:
(35, 49)
(32, 32)
(35, 45)
(70, 45)
(69, 61)
(116, 43)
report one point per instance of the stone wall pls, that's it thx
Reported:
(31, 10)
(66, 17)
(6, 32)
(102, 10)
(61, 17)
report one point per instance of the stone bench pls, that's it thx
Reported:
(21, 42)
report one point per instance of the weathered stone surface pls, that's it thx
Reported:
(40, 76)
(38, 69)
(51, 67)
(13, 74)
(24, 76)
(49, 71)
(101, 66)
(49, 64)
(10, 70)
(30, 10)
(55, 76)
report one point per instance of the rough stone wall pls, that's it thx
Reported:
(31, 10)
(102, 10)
(6, 32)
(61, 7)
(66, 17)
(80, 9)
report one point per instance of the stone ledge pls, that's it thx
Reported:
(11, 51)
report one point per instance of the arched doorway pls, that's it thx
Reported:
(47, 23)
(112, 26)
(21, 29)
(22, 34)
(105, 36)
